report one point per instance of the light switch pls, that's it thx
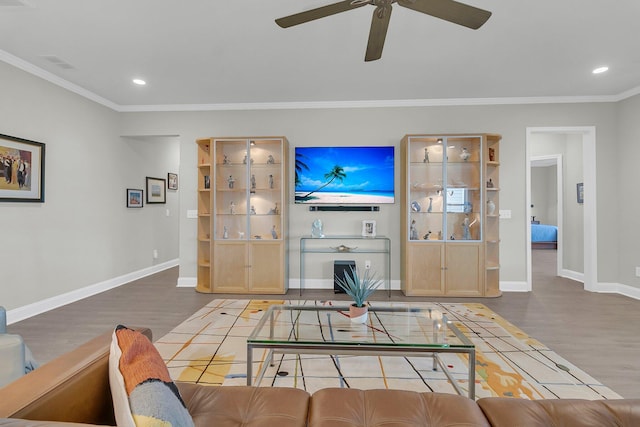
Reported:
(505, 213)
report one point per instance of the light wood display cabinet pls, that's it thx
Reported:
(450, 223)
(242, 215)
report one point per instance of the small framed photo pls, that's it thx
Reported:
(21, 170)
(580, 192)
(156, 190)
(172, 181)
(134, 198)
(369, 228)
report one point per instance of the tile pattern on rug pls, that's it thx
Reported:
(210, 348)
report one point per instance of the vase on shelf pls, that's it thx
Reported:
(491, 207)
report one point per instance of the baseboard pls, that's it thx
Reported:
(187, 282)
(618, 288)
(514, 286)
(30, 310)
(573, 275)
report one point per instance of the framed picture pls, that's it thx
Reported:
(21, 170)
(156, 190)
(369, 228)
(580, 192)
(134, 198)
(172, 181)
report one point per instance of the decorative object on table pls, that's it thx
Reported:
(343, 248)
(413, 233)
(22, 167)
(232, 207)
(426, 156)
(316, 229)
(368, 228)
(491, 207)
(207, 182)
(492, 155)
(225, 232)
(172, 181)
(252, 210)
(490, 183)
(465, 154)
(134, 198)
(430, 207)
(359, 289)
(270, 181)
(270, 160)
(580, 192)
(274, 233)
(231, 180)
(156, 190)
(415, 206)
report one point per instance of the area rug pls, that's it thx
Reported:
(210, 348)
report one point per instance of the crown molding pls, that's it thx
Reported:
(382, 103)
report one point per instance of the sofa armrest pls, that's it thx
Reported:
(71, 388)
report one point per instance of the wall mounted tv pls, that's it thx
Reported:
(344, 175)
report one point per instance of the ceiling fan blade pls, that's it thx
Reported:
(378, 32)
(320, 12)
(450, 10)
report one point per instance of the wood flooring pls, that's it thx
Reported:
(596, 332)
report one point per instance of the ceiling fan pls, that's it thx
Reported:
(449, 10)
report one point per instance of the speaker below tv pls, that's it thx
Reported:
(344, 208)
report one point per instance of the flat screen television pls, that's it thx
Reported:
(344, 175)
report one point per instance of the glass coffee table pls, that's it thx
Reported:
(390, 331)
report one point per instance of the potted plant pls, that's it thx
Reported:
(359, 289)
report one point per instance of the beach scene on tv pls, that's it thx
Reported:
(341, 175)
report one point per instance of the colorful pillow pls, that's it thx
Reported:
(143, 393)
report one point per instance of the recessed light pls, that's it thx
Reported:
(600, 70)
(139, 82)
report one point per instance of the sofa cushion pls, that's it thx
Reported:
(143, 392)
(341, 407)
(509, 412)
(233, 406)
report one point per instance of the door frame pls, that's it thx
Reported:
(589, 178)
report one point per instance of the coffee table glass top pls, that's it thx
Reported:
(386, 327)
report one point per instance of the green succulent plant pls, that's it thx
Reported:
(359, 288)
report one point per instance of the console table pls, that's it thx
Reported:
(374, 245)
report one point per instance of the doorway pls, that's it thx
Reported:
(587, 250)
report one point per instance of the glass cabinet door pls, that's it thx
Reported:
(444, 188)
(248, 182)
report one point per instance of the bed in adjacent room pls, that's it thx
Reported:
(544, 236)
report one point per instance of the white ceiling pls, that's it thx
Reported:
(214, 52)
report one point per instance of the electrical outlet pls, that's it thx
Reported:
(155, 254)
(367, 264)
(637, 271)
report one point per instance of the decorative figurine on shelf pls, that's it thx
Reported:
(491, 207)
(415, 206)
(253, 182)
(440, 235)
(466, 228)
(316, 229)
(468, 207)
(430, 207)
(426, 156)
(270, 160)
(240, 235)
(232, 207)
(465, 154)
(252, 211)
(244, 160)
(274, 233)
(490, 183)
(492, 155)
(413, 232)
(270, 181)
(231, 180)
(225, 160)
(426, 236)
(225, 233)
(274, 211)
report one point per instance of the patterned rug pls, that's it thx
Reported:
(210, 348)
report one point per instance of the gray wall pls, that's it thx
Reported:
(83, 234)
(544, 194)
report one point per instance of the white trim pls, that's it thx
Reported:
(573, 275)
(380, 103)
(30, 310)
(508, 286)
(187, 282)
(618, 288)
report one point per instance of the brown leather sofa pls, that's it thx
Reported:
(73, 390)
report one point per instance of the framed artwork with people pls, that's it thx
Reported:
(21, 170)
